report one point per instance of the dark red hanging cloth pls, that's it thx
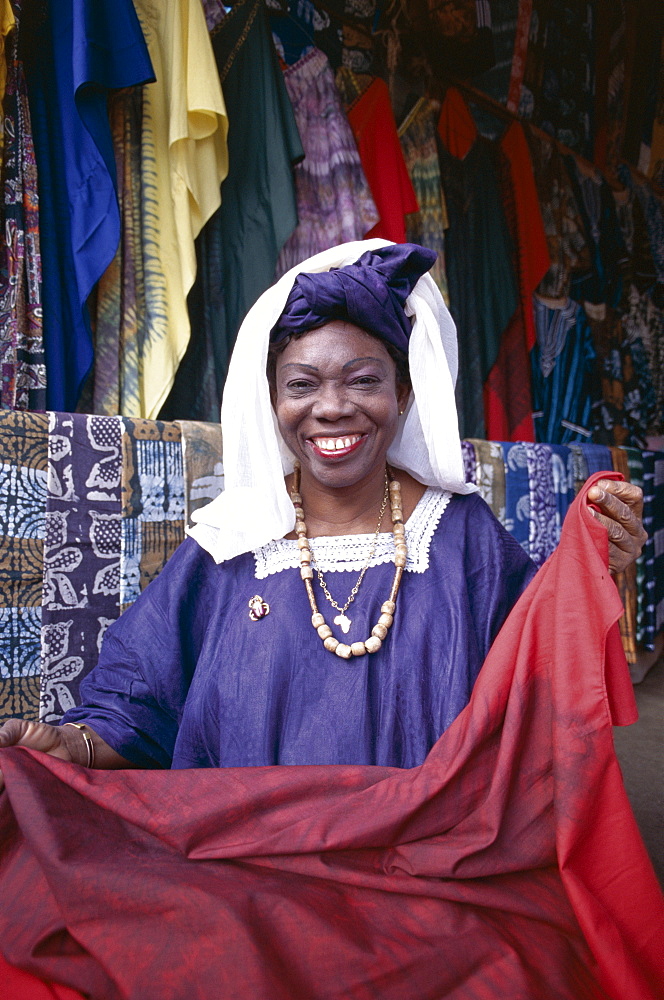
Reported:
(508, 864)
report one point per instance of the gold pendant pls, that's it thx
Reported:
(343, 622)
(258, 608)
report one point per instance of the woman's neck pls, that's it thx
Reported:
(352, 510)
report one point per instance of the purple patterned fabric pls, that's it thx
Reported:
(469, 464)
(334, 203)
(371, 293)
(545, 523)
(81, 589)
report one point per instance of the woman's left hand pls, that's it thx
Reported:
(621, 506)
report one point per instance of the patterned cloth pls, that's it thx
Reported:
(517, 492)
(152, 502)
(22, 362)
(490, 475)
(334, 203)
(562, 368)
(417, 134)
(646, 611)
(122, 322)
(23, 451)
(551, 488)
(203, 468)
(81, 584)
(560, 213)
(558, 90)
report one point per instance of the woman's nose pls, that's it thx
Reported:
(331, 403)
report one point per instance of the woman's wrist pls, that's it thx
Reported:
(78, 739)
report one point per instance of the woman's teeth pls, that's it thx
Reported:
(336, 444)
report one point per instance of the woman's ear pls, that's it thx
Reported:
(403, 395)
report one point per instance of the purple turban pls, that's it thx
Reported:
(371, 293)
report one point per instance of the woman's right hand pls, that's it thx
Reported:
(53, 740)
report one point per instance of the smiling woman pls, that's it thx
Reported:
(339, 404)
(344, 487)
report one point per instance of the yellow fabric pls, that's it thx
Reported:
(184, 160)
(7, 22)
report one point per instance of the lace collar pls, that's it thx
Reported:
(349, 552)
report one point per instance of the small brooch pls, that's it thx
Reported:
(258, 608)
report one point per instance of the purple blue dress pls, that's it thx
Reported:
(187, 679)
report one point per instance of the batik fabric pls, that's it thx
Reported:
(417, 134)
(22, 361)
(23, 446)
(334, 201)
(152, 524)
(81, 585)
(203, 468)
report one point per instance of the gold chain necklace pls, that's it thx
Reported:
(380, 629)
(342, 619)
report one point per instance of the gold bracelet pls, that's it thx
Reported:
(89, 745)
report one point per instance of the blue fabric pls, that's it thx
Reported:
(371, 293)
(517, 492)
(598, 458)
(187, 679)
(562, 398)
(73, 55)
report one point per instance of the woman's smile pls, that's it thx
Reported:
(337, 447)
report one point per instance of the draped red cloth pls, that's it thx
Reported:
(372, 120)
(507, 865)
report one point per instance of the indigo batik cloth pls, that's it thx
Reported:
(334, 202)
(517, 492)
(658, 535)
(23, 458)
(81, 587)
(202, 464)
(549, 490)
(22, 362)
(152, 502)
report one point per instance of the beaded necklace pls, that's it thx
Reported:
(379, 632)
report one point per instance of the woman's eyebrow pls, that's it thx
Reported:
(299, 364)
(367, 358)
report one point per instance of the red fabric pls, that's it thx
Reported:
(507, 396)
(456, 126)
(507, 865)
(372, 121)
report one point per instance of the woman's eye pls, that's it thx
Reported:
(366, 380)
(299, 384)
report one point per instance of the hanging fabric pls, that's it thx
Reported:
(371, 118)
(482, 284)
(238, 248)
(560, 213)
(507, 392)
(562, 368)
(184, 159)
(22, 360)
(334, 200)
(72, 59)
(417, 135)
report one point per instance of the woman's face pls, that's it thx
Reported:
(338, 402)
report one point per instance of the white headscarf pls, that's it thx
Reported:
(255, 507)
